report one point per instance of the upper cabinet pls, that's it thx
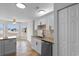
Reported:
(39, 27)
(47, 20)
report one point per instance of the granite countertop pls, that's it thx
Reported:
(8, 38)
(46, 39)
(37, 36)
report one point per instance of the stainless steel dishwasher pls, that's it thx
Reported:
(46, 48)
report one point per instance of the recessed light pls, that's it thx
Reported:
(41, 12)
(20, 5)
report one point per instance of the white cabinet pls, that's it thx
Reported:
(43, 22)
(33, 43)
(36, 44)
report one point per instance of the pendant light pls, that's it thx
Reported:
(14, 21)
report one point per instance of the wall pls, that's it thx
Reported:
(57, 6)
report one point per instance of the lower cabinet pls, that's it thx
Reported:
(36, 45)
(44, 48)
(10, 46)
(7, 46)
(1, 48)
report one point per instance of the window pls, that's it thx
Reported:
(12, 31)
(1, 31)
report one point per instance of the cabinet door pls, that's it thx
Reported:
(33, 41)
(1, 48)
(63, 32)
(7, 46)
(38, 46)
(10, 46)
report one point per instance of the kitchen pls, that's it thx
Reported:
(32, 22)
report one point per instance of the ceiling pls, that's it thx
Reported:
(10, 10)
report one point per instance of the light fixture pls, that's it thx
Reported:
(20, 5)
(41, 12)
(14, 21)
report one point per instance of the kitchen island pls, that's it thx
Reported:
(7, 46)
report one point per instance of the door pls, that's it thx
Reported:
(73, 38)
(69, 31)
(63, 32)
